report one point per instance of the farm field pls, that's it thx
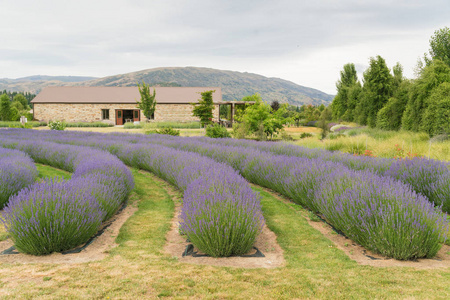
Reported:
(138, 267)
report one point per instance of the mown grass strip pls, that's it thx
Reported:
(50, 172)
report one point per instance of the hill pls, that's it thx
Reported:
(235, 85)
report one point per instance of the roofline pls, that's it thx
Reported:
(73, 103)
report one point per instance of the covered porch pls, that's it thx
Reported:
(233, 105)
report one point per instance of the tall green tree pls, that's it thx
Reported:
(440, 46)
(204, 108)
(436, 117)
(390, 116)
(22, 100)
(431, 77)
(324, 119)
(343, 103)
(5, 107)
(376, 91)
(148, 101)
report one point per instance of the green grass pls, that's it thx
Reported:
(138, 268)
(89, 124)
(17, 124)
(50, 172)
(177, 125)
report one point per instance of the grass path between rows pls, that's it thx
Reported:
(138, 268)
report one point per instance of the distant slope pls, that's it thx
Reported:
(34, 84)
(55, 78)
(235, 85)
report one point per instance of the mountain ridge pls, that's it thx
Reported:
(235, 85)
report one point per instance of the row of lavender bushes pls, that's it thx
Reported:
(221, 215)
(380, 212)
(429, 177)
(17, 170)
(57, 215)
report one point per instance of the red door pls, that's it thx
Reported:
(119, 117)
(136, 115)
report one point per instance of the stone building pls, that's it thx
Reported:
(118, 105)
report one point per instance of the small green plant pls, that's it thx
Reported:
(240, 130)
(313, 217)
(132, 126)
(286, 136)
(57, 125)
(168, 131)
(305, 135)
(217, 131)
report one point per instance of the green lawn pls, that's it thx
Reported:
(138, 268)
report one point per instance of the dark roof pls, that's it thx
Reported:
(103, 94)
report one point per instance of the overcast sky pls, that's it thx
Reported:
(306, 42)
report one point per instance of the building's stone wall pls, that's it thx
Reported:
(93, 112)
(179, 113)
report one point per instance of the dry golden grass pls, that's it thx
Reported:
(303, 129)
(387, 144)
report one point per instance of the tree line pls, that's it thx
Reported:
(387, 100)
(13, 105)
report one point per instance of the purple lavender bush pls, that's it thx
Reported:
(382, 214)
(428, 177)
(52, 216)
(221, 215)
(17, 171)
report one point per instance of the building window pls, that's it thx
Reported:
(105, 114)
(136, 114)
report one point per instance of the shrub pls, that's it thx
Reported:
(384, 215)
(221, 215)
(428, 177)
(241, 130)
(17, 171)
(305, 135)
(52, 216)
(57, 125)
(311, 124)
(286, 136)
(335, 146)
(168, 131)
(217, 131)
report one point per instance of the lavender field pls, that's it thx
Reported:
(393, 207)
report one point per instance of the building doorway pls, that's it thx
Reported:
(127, 116)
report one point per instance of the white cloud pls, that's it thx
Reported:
(306, 42)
